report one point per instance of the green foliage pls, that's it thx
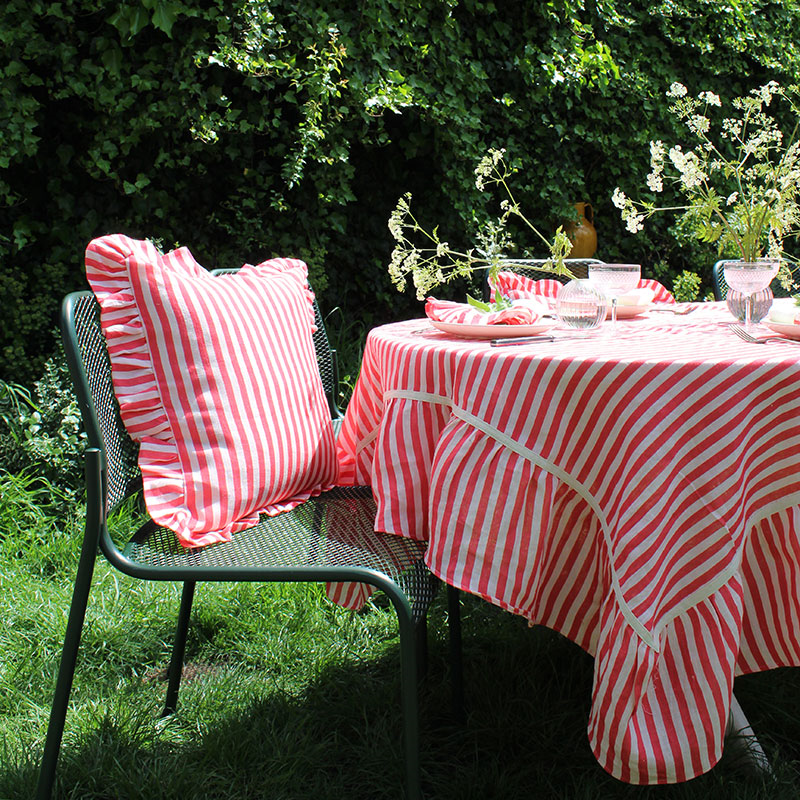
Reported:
(41, 433)
(249, 129)
(686, 286)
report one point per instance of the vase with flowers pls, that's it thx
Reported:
(739, 176)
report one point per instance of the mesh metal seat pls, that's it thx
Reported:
(721, 285)
(328, 538)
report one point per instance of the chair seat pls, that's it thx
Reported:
(333, 530)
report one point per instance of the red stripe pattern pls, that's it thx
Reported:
(638, 493)
(218, 382)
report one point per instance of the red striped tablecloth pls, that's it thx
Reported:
(638, 493)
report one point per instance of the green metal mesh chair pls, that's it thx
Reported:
(300, 545)
(721, 285)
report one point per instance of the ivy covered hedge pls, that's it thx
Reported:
(250, 129)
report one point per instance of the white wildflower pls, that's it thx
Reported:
(677, 90)
(655, 182)
(698, 124)
(486, 166)
(657, 151)
(731, 128)
(732, 198)
(688, 164)
(710, 98)
(633, 222)
(618, 198)
(396, 225)
(396, 272)
(764, 93)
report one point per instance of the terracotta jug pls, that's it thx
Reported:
(582, 232)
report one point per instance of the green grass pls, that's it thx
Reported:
(287, 696)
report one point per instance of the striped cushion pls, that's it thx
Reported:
(217, 380)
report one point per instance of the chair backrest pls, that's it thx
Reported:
(90, 367)
(721, 285)
(533, 268)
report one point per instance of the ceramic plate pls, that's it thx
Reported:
(784, 328)
(626, 312)
(491, 331)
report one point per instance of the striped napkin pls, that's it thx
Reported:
(523, 312)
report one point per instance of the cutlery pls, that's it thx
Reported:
(748, 337)
(677, 310)
(530, 340)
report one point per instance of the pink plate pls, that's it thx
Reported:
(626, 311)
(491, 331)
(784, 329)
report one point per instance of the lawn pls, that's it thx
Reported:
(288, 696)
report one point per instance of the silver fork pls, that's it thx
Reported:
(748, 337)
(680, 308)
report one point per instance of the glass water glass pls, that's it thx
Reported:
(749, 277)
(614, 280)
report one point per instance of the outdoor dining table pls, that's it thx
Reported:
(637, 491)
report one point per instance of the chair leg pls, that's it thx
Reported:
(408, 693)
(179, 648)
(456, 661)
(77, 614)
(422, 647)
(66, 672)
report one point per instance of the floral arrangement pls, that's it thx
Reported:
(435, 262)
(741, 186)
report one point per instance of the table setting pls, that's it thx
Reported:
(630, 484)
(602, 460)
(636, 492)
(550, 311)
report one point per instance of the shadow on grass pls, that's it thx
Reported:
(524, 736)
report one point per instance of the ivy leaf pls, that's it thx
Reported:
(164, 17)
(112, 60)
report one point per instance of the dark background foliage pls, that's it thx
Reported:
(251, 129)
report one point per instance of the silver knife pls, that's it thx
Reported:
(530, 340)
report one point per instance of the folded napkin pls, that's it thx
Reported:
(784, 312)
(523, 312)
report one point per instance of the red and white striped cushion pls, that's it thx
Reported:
(217, 380)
